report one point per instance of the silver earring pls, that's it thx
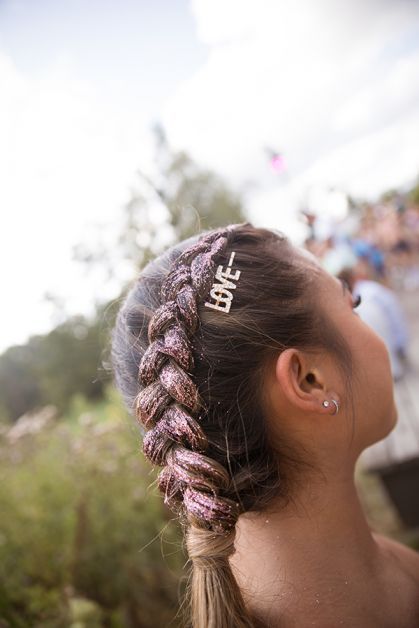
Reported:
(326, 404)
(336, 406)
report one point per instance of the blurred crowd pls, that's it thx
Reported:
(375, 250)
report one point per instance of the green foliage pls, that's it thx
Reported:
(79, 531)
(81, 518)
(196, 197)
(185, 196)
(389, 196)
(414, 195)
(19, 386)
(52, 368)
(68, 361)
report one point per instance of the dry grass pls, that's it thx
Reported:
(380, 511)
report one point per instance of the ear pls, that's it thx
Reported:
(303, 381)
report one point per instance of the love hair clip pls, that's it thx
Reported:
(221, 292)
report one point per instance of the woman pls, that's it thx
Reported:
(258, 386)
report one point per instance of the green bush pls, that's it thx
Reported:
(79, 531)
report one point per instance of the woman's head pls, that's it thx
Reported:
(300, 379)
(230, 400)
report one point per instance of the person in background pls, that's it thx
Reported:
(380, 308)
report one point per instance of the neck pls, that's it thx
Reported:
(321, 542)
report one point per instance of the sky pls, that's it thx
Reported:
(332, 85)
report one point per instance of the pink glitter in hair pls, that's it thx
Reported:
(151, 362)
(156, 446)
(175, 425)
(151, 402)
(186, 302)
(169, 485)
(174, 282)
(202, 245)
(217, 513)
(182, 428)
(176, 438)
(177, 345)
(203, 267)
(218, 245)
(179, 385)
(202, 273)
(199, 465)
(165, 315)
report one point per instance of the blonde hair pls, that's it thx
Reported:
(215, 600)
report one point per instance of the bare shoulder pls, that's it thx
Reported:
(406, 557)
(401, 578)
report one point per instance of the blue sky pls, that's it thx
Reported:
(332, 84)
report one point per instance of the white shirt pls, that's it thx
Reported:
(381, 309)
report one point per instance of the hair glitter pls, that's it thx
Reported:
(177, 345)
(152, 361)
(178, 426)
(179, 385)
(202, 272)
(170, 401)
(169, 484)
(164, 315)
(186, 303)
(174, 281)
(209, 511)
(199, 465)
(155, 446)
(151, 402)
(182, 428)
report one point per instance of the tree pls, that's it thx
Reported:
(414, 194)
(176, 201)
(51, 368)
(173, 203)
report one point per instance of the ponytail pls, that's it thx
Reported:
(215, 600)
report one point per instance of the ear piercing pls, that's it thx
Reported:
(326, 404)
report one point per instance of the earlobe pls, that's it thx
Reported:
(334, 403)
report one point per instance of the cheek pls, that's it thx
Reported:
(370, 398)
(374, 370)
(381, 358)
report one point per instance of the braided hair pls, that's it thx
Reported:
(194, 380)
(169, 402)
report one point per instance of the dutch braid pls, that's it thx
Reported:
(169, 404)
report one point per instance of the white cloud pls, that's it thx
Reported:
(382, 99)
(332, 84)
(67, 159)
